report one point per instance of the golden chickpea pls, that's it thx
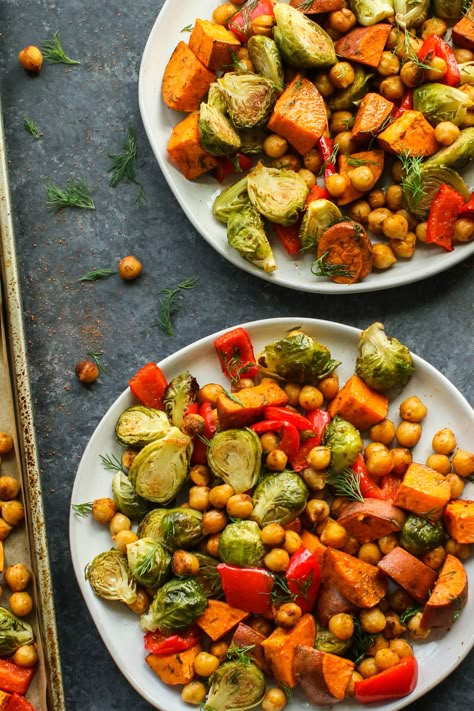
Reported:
(323, 84)
(239, 506)
(456, 483)
(376, 199)
(351, 546)
(87, 371)
(435, 558)
(379, 463)
(412, 74)
(5, 529)
(26, 656)
(444, 441)
(359, 211)
(288, 615)
(370, 553)
(336, 184)
(329, 386)
(210, 393)
(333, 534)
(361, 178)
(319, 457)
(292, 542)
(437, 69)
(241, 384)
(223, 13)
(212, 545)
(462, 463)
(341, 121)
(13, 512)
(205, 664)
(213, 521)
(383, 432)
(379, 642)
(460, 550)
(129, 268)
(310, 397)
(119, 522)
(373, 448)
(404, 248)
(415, 628)
(313, 161)
(200, 475)
(397, 171)
(402, 458)
(123, 538)
(269, 441)
(220, 495)
(289, 161)
(345, 142)
(194, 692)
(395, 227)
(193, 424)
(219, 649)
(421, 232)
(128, 457)
(103, 510)
(408, 433)
(317, 510)
(392, 88)
(387, 543)
(464, 229)
(382, 256)
(393, 197)
(372, 620)
(393, 627)
(31, 58)
(389, 64)
(184, 563)
(9, 487)
(401, 647)
(412, 409)
(308, 177)
(198, 498)
(277, 560)
(341, 75)
(21, 603)
(261, 625)
(338, 504)
(433, 26)
(276, 460)
(342, 20)
(368, 667)
(273, 534)
(341, 625)
(386, 658)
(274, 700)
(439, 462)
(400, 600)
(376, 219)
(446, 133)
(350, 689)
(6, 443)
(141, 604)
(17, 577)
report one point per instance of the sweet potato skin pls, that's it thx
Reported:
(359, 404)
(323, 676)
(185, 80)
(213, 44)
(423, 491)
(449, 596)
(174, 668)
(463, 32)
(410, 573)
(409, 132)
(245, 636)
(185, 150)
(330, 602)
(374, 160)
(252, 402)
(219, 618)
(372, 519)
(363, 44)
(458, 519)
(279, 648)
(361, 583)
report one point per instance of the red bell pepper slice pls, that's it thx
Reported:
(392, 683)
(226, 166)
(303, 577)
(159, 643)
(326, 148)
(389, 486)
(444, 211)
(241, 23)
(368, 488)
(14, 678)
(434, 46)
(289, 441)
(468, 207)
(319, 420)
(148, 385)
(289, 236)
(235, 352)
(300, 461)
(199, 455)
(272, 412)
(317, 192)
(16, 702)
(406, 104)
(248, 589)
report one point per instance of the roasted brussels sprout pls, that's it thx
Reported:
(410, 13)
(252, 139)
(149, 562)
(174, 528)
(439, 102)
(382, 361)
(419, 536)
(326, 641)
(215, 98)
(318, 216)
(236, 457)
(450, 10)
(179, 394)
(14, 633)
(110, 577)
(208, 575)
(297, 358)
(432, 177)
(246, 234)
(345, 443)
(370, 12)
(278, 195)
(235, 685)
(160, 469)
(466, 69)
(240, 544)
(263, 52)
(216, 133)
(126, 498)
(302, 42)
(231, 199)
(347, 99)
(177, 604)
(249, 98)
(455, 156)
(140, 425)
(151, 525)
(279, 498)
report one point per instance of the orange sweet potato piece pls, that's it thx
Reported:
(219, 618)
(371, 519)
(185, 150)
(299, 115)
(317, 6)
(346, 244)
(213, 44)
(174, 668)
(359, 404)
(374, 160)
(449, 596)
(373, 111)
(279, 648)
(410, 573)
(361, 583)
(330, 602)
(323, 676)
(411, 133)
(458, 519)
(364, 44)
(463, 31)
(245, 636)
(313, 544)
(251, 404)
(186, 80)
(423, 491)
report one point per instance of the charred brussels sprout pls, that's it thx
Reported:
(110, 577)
(370, 12)
(302, 42)
(252, 139)
(177, 604)
(450, 10)
(149, 562)
(215, 98)
(138, 426)
(263, 52)
(279, 498)
(246, 234)
(466, 70)
(318, 216)
(235, 686)
(347, 99)
(236, 457)
(240, 544)
(14, 633)
(383, 362)
(410, 13)
(126, 498)
(208, 575)
(419, 536)
(217, 135)
(278, 195)
(249, 98)
(174, 528)
(439, 102)
(179, 394)
(297, 358)
(151, 525)
(160, 469)
(345, 443)
(432, 177)
(326, 641)
(455, 156)
(232, 199)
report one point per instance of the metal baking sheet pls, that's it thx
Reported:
(27, 543)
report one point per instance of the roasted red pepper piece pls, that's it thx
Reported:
(434, 46)
(393, 683)
(468, 207)
(148, 385)
(300, 461)
(235, 352)
(225, 166)
(14, 678)
(303, 578)
(319, 420)
(289, 236)
(16, 702)
(157, 642)
(248, 589)
(368, 488)
(389, 486)
(406, 103)
(241, 23)
(272, 412)
(289, 441)
(199, 455)
(444, 211)
(317, 192)
(326, 148)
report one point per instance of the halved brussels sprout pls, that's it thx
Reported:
(240, 544)
(410, 13)
(126, 498)
(279, 498)
(432, 177)
(110, 577)
(252, 139)
(208, 575)
(151, 525)
(236, 457)
(277, 194)
(318, 216)
(347, 99)
(139, 425)
(246, 234)
(14, 633)
(234, 686)
(302, 42)
(439, 102)
(382, 361)
(455, 156)
(326, 641)
(179, 394)
(215, 98)
(263, 52)
(370, 12)
(231, 199)
(345, 443)
(466, 69)
(249, 98)
(149, 562)
(177, 604)
(297, 358)
(174, 528)
(216, 133)
(450, 10)
(160, 469)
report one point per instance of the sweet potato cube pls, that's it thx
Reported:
(463, 31)
(449, 595)
(323, 676)
(317, 6)
(410, 573)
(279, 648)
(185, 150)
(4, 699)
(423, 491)
(249, 405)
(245, 636)
(359, 404)
(219, 618)
(359, 582)
(213, 44)
(174, 668)
(373, 112)
(364, 44)
(458, 519)
(374, 160)
(411, 133)
(186, 80)
(313, 544)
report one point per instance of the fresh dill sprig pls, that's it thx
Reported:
(188, 28)
(232, 365)
(412, 180)
(53, 51)
(360, 643)
(140, 196)
(331, 159)
(75, 194)
(287, 690)
(96, 274)
(281, 593)
(112, 463)
(345, 483)
(97, 359)
(321, 268)
(410, 612)
(233, 397)
(82, 510)
(357, 162)
(241, 654)
(123, 164)
(146, 564)
(31, 128)
(169, 306)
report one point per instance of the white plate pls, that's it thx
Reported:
(119, 628)
(196, 197)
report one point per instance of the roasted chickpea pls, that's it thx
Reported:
(389, 64)
(223, 13)
(372, 620)
(420, 231)
(21, 603)
(193, 424)
(383, 432)
(329, 386)
(123, 538)
(239, 506)
(288, 615)
(361, 178)
(220, 495)
(379, 463)
(412, 74)
(103, 510)
(336, 184)
(274, 700)
(386, 658)
(456, 483)
(395, 227)
(370, 553)
(317, 510)
(319, 457)
(273, 534)
(374, 447)
(141, 604)
(26, 656)
(9, 487)
(435, 558)
(446, 133)
(437, 69)
(368, 667)
(376, 219)
(194, 692)
(341, 75)
(288, 161)
(462, 463)
(355, 677)
(464, 229)
(5, 529)
(313, 161)
(444, 441)
(241, 384)
(463, 55)
(308, 177)
(460, 550)
(200, 474)
(119, 522)
(397, 171)
(277, 560)
(129, 268)
(213, 521)
(210, 393)
(198, 498)
(392, 88)
(439, 462)
(404, 248)
(412, 409)
(6, 443)
(342, 20)
(408, 433)
(292, 542)
(415, 628)
(219, 649)
(341, 121)
(277, 460)
(376, 199)
(184, 563)
(333, 534)
(387, 543)
(128, 457)
(341, 625)
(433, 26)
(261, 625)
(359, 211)
(401, 647)
(337, 505)
(31, 58)
(345, 141)
(17, 577)
(205, 664)
(323, 84)
(310, 398)
(212, 545)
